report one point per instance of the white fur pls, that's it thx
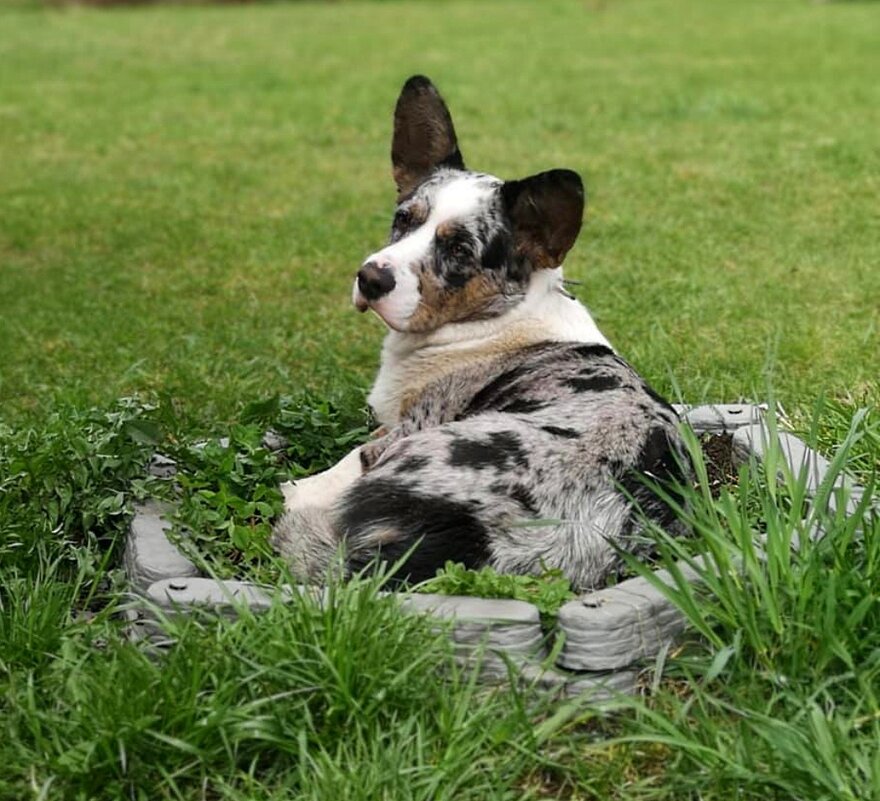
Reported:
(323, 489)
(455, 200)
(397, 306)
(547, 313)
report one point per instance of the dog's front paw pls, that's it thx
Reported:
(291, 492)
(322, 490)
(304, 492)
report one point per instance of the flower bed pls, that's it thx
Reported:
(606, 635)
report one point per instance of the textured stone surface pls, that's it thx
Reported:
(149, 555)
(619, 626)
(488, 610)
(488, 632)
(183, 592)
(598, 686)
(181, 595)
(720, 418)
(511, 626)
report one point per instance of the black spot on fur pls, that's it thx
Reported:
(597, 383)
(510, 444)
(593, 351)
(659, 464)
(457, 278)
(657, 455)
(568, 433)
(524, 498)
(412, 463)
(522, 406)
(439, 528)
(470, 453)
(519, 268)
(659, 398)
(496, 391)
(501, 450)
(501, 395)
(497, 251)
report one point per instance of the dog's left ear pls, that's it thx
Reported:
(546, 211)
(424, 137)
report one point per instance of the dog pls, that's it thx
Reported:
(512, 434)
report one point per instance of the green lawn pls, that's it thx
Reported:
(185, 195)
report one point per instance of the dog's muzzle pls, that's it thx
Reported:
(373, 282)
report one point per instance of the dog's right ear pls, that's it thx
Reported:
(424, 137)
(546, 211)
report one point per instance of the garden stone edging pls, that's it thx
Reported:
(608, 634)
(149, 555)
(617, 627)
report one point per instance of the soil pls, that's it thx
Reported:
(721, 466)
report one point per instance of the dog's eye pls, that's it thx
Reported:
(402, 223)
(453, 243)
(458, 251)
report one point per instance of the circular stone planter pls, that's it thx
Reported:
(608, 635)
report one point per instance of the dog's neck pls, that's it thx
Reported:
(411, 362)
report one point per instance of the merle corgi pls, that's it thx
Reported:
(512, 433)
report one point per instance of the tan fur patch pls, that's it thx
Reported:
(439, 305)
(383, 535)
(420, 373)
(445, 229)
(418, 213)
(539, 257)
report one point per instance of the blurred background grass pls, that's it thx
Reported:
(186, 192)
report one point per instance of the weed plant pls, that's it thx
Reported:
(548, 592)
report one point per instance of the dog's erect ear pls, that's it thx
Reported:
(546, 211)
(424, 137)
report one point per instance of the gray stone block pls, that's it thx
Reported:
(185, 592)
(490, 610)
(720, 418)
(491, 633)
(597, 686)
(620, 626)
(149, 554)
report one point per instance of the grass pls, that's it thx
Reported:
(779, 696)
(184, 197)
(309, 699)
(773, 694)
(187, 192)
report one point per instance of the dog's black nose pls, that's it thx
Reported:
(375, 281)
